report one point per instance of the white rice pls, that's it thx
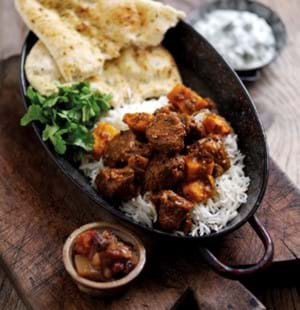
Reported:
(91, 169)
(115, 116)
(210, 217)
(141, 210)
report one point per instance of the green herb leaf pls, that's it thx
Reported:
(59, 143)
(34, 113)
(69, 116)
(80, 136)
(51, 101)
(35, 97)
(49, 132)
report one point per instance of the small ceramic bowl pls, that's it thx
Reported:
(103, 289)
(271, 17)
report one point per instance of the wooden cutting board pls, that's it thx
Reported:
(39, 208)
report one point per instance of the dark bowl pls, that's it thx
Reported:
(257, 8)
(204, 70)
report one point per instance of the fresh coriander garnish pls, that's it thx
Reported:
(68, 115)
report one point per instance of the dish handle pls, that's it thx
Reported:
(237, 273)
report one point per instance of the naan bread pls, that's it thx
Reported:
(42, 71)
(136, 75)
(82, 34)
(150, 72)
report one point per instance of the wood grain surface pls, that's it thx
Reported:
(8, 296)
(276, 97)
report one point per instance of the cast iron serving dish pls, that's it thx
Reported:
(205, 71)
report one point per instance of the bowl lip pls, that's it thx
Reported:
(191, 19)
(59, 161)
(134, 240)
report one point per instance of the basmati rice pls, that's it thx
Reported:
(141, 210)
(91, 169)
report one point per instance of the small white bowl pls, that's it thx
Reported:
(103, 289)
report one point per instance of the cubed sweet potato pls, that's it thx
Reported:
(187, 101)
(137, 122)
(197, 167)
(199, 191)
(217, 124)
(103, 134)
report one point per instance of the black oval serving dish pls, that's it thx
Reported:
(271, 17)
(205, 71)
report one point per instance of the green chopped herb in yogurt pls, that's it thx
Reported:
(244, 39)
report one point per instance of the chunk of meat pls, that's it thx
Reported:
(206, 147)
(187, 121)
(122, 147)
(103, 134)
(139, 165)
(217, 124)
(164, 173)
(199, 191)
(165, 109)
(187, 101)
(196, 167)
(173, 210)
(116, 183)
(211, 147)
(138, 122)
(195, 130)
(166, 132)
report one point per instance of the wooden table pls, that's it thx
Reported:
(276, 99)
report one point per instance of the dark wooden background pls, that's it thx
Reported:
(276, 96)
